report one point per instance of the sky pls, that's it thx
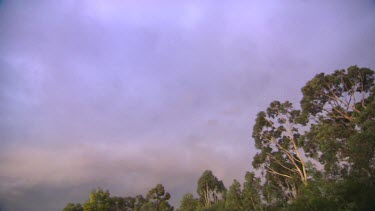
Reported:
(124, 94)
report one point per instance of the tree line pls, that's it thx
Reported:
(318, 157)
(100, 200)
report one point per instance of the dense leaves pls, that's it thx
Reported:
(252, 188)
(100, 200)
(157, 199)
(233, 200)
(276, 133)
(189, 203)
(340, 110)
(73, 207)
(338, 124)
(210, 189)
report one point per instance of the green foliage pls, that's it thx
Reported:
(348, 194)
(148, 206)
(73, 207)
(338, 118)
(280, 157)
(157, 199)
(99, 201)
(210, 189)
(120, 203)
(251, 196)
(218, 206)
(139, 202)
(233, 200)
(189, 203)
(340, 110)
(312, 199)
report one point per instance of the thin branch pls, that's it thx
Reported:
(278, 162)
(275, 172)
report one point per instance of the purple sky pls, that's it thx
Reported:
(127, 94)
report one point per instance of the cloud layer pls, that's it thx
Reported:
(128, 94)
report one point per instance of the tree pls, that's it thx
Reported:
(148, 206)
(233, 200)
(218, 206)
(188, 203)
(99, 201)
(73, 207)
(157, 199)
(340, 109)
(210, 189)
(347, 194)
(122, 203)
(276, 134)
(251, 196)
(139, 202)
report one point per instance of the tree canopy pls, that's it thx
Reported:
(189, 203)
(157, 199)
(210, 189)
(340, 110)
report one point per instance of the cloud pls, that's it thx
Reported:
(127, 94)
(125, 170)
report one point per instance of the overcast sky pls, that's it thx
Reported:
(127, 94)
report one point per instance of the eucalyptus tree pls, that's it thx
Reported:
(251, 194)
(157, 199)
(340, 109)
(233, 199)
(189, 203)
(139, 202)
(99, 200)
(210, 189)
(277, 137)
(123, 203)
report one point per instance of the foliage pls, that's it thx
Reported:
(210, 189)
(340, 109)
(122, 203)
(73, 207)
(233, 200)
(276, 134)
(348, 194)
(218, 206)
(338, 113)
(157, 199)
(139, 202)
(251, 198)
(189, 203)
(99, 201)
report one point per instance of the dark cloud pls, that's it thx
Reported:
(125, 95)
